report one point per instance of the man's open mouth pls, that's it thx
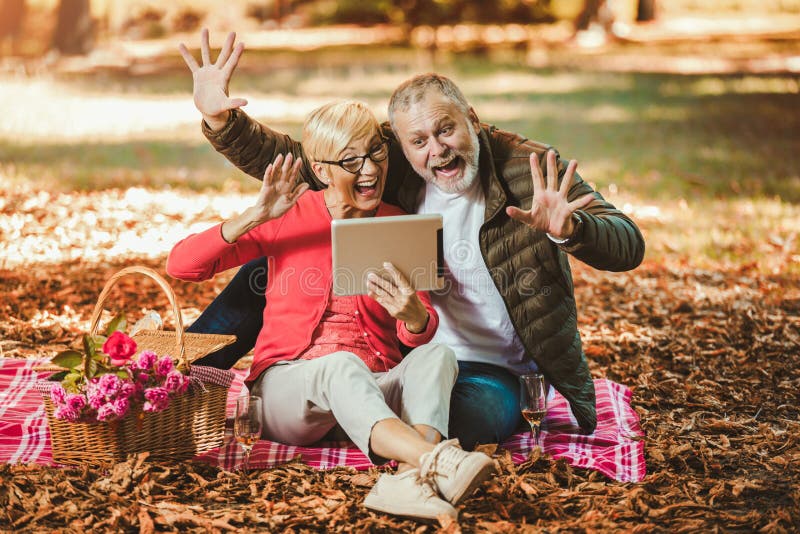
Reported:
(367, 188)
(449, 169)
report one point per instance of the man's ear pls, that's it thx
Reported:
(321, 171)
(473, 119)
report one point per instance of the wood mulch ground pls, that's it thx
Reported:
(712, 357)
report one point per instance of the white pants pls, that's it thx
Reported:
(304, 399)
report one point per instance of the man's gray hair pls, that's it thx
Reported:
(414, 90)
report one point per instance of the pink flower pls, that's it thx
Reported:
(96, 399)
(109, 385)
(175, 382)
(164, 366)
(119, 348)
(120, 406)
(146, 360)
(76, 402)
(157, 399)
(127, 390)
(64, 412)
(57, 394)
(105, 412)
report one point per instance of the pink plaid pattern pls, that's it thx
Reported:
(616, 448)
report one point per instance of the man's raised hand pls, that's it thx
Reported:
(211, 79)
(551, 211)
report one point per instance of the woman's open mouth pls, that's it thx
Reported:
(367, 189)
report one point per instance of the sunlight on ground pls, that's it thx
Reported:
(38, 227)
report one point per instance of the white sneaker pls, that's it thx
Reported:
(407, 495)
(453, 471)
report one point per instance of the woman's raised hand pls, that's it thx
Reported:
(280, 189)
(397, 296)
(211, 79)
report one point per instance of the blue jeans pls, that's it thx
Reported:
(484, 406)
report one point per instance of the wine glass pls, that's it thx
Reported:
(533, 402)
(247, 425)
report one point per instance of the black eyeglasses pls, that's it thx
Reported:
(354, 164)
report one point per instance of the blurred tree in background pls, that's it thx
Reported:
(74, 27)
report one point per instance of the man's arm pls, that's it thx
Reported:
(251, 146)
(578, 219)
(246, 143)
(604, 238)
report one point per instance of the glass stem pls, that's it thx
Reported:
(535, 432)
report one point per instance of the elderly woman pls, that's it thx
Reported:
(322, 360)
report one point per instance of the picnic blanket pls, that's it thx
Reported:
(616, 448)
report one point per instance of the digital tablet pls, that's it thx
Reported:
(412, 243)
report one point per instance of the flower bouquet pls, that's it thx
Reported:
(104, 385)
(124, 395)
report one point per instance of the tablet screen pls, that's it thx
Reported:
(412, 243)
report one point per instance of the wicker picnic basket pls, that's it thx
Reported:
(193, 423)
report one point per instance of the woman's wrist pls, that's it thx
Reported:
(419, 326)
(234, 228)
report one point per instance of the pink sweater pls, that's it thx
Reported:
(299, 281)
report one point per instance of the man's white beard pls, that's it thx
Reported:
(469, 176)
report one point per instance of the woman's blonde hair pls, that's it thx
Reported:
(330, 128)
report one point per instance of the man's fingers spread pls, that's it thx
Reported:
(582, 202)
(518, 214)
(536, 173)
(234, 103)
(225, 52)
(188, 58)
(566, 183)
(205, 53)
(552, 173)
(233, 60)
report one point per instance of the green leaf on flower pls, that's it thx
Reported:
(57, 377)
(123, 374)
(120, 322)
(71, 382)
(91, 368)
(68, 359)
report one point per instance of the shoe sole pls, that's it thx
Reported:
(483, 474)
(393, 510)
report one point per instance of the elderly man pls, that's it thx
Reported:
(512, 213)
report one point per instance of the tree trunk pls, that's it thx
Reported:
(73, 33)
(13, 15)
(646, 10)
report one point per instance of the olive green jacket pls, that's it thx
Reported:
(530, 271)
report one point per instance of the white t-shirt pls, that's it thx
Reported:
(473, 319)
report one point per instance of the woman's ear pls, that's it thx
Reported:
(322, 172)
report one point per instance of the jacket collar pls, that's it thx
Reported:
(492, 190)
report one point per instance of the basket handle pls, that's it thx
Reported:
(150, 273)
